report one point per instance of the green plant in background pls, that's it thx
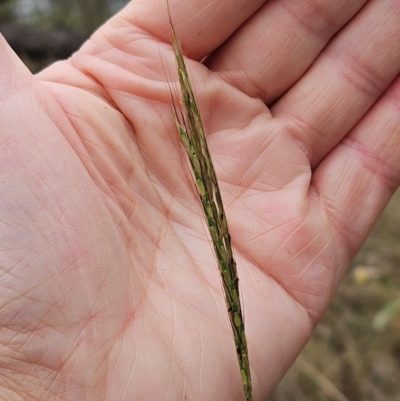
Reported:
(81, 16)
(192, 135)
(75, 15)
(7, 11)
(386, 315)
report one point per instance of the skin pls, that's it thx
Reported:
(108, 285)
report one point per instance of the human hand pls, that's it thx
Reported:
(109, 288)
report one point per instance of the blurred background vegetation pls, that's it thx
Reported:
(42, 31)
(354, 354)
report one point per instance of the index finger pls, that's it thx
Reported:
(202, 26)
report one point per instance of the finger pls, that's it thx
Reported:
(201, 26)
(277, 45)
(124, 54)
(357, 179)
(345, 80)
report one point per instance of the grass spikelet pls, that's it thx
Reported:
(190, 127)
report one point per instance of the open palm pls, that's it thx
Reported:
(109, 288)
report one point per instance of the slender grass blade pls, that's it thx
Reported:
(190, 127)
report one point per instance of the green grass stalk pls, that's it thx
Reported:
(190, 127)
